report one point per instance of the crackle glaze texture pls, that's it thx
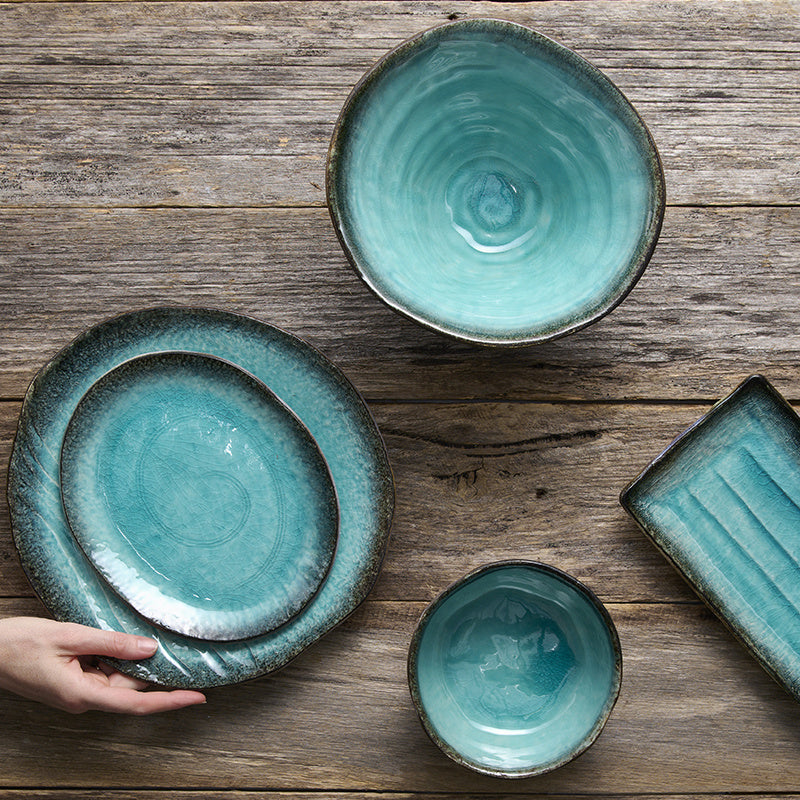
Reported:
(515, 669)
(489, 183)
(305, 381)
(198, 495)
(723, 504)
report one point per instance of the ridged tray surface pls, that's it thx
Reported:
(723, 504)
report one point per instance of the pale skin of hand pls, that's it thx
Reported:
(55, 663)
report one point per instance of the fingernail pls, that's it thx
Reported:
(147, 647)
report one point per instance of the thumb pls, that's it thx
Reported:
(84, 641)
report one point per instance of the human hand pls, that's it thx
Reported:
(55, 663)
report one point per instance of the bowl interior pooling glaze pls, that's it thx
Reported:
(491, 184)
(516, 670)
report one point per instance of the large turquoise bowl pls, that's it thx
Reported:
(514, 669)
(491, 184)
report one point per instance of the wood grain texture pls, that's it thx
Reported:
(340, 716)
(718, 301)
(234, 103)
(482, 482)
(174, 153)
(270, 794)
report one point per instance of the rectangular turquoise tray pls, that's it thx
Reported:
(722, 503)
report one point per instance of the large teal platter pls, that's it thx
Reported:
(198, 495)
(316, 392)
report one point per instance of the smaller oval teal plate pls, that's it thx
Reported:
(198, 495)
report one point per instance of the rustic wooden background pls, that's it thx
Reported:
(174, 153)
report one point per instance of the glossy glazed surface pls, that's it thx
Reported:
(309, 384)
(198, 495)
(723, 504)
(515, 669)
(489, 183)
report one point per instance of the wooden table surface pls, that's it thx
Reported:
(173, 153)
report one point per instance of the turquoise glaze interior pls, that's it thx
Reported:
(198, 495)
(489, 183)
(516, 670)
(724, 504)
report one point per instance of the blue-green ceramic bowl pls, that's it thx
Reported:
(514, 669)
(493, 185)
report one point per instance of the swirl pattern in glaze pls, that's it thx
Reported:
(489, 183)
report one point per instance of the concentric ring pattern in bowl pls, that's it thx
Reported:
(310, 385)
(493, 185)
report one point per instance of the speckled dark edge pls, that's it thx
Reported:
(252, 382)
(604, 88)
(413, 681)
(57, 599)
(753, 383)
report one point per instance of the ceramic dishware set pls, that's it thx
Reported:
(213, 482)
(204, 479)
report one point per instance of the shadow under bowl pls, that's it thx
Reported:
(493, 185)
(515, 669)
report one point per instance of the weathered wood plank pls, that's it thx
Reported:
(201, 105)
(238, 153)
(479, 482)
(270, 794)
(340, 716)
(718, 301)
(84, 177)
(298, 30)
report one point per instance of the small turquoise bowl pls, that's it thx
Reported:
(492, 185)
(514, 669)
